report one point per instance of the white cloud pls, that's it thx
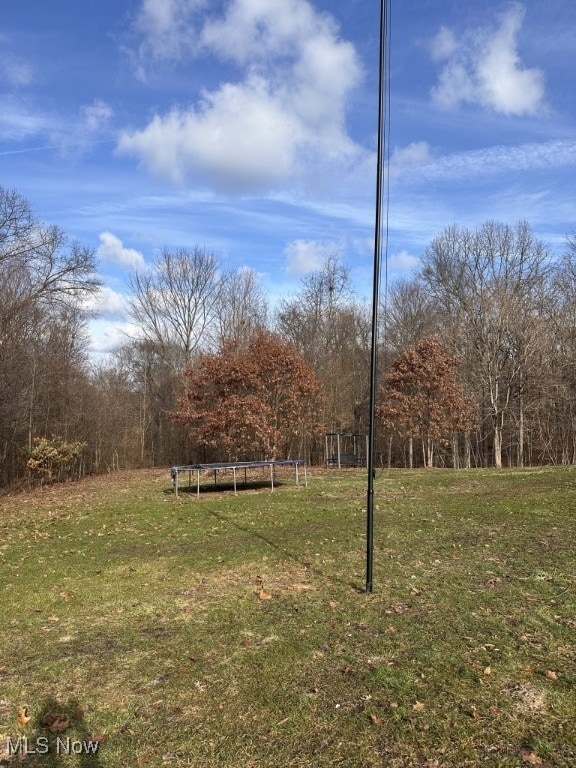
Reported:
(112, 250)
(304, 256)
(443, 45)
(411, 156)
(167, 30)
(241, 137)
(499, 160)
(287, 107)
(485, 68)
(107, 302)
(16, 72)
(96, 114)
(69, 135)
(505, 85)
(18, 121)
(106, 336)
(403, 262)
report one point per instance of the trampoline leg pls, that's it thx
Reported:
(198, 483)
(234, 473)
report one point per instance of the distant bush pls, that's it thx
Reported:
(52, 459)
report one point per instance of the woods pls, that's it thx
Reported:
(477, 358)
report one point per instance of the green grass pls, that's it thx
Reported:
(233, 631)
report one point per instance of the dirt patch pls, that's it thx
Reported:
(528, 698)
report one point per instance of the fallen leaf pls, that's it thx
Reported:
(263, 595)
(487, 670)
(552, 675)
(101, 738)
(376, 720)
(53, 618)
(531, 757)
(23, 716)
(418, 707)
(60, 724)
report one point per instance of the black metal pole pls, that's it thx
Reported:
(375, 303)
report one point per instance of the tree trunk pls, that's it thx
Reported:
(467, 460)
(428, 451)
(521, 431)
(497, 444)
(455, 452)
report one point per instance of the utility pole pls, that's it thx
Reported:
(382, 81)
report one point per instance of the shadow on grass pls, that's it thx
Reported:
(278, 547)
(221, 487)
(60, 731)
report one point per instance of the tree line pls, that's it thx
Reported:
(477, 358)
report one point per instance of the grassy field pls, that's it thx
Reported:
(232, 631)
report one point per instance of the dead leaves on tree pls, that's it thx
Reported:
(249, 398)
(423, 396)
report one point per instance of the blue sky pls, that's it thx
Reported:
(249, 127)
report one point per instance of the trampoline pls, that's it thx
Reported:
(234, 466)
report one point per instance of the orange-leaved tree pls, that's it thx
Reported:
(422, 397)
(250, 401)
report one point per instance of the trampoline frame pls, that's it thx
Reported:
(234, 466)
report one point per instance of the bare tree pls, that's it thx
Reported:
(490, 286)
(409, 315)
(174, 303)
(241, 308)
(557, 417)
(331, 330)
(45, 281)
